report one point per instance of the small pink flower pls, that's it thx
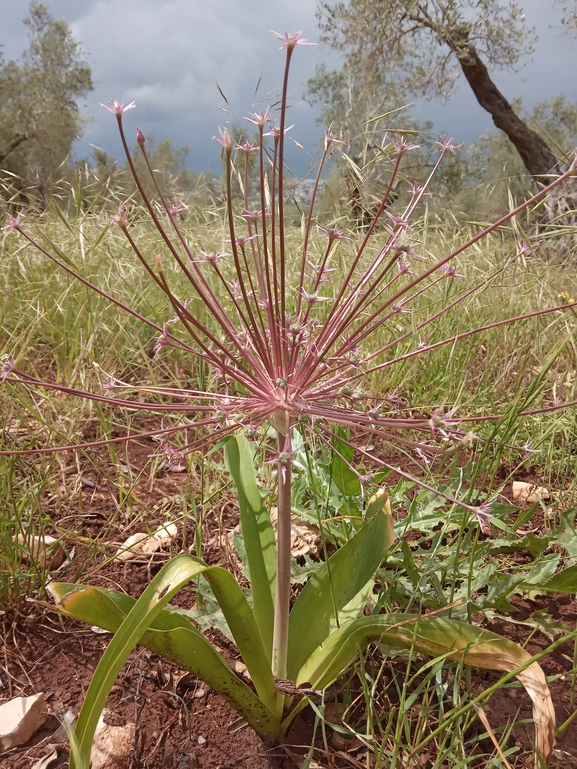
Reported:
(403, 266)
(275, 131)
(243, 239)
(252, 214)
(289, 41)
(247, 147)
(211, 257)
(332, 233)
(447, 145)
(121, 216)
(399, 223)
(175, 208)
(331, 138)
(161, 341)
(403, 146)
(451, 272)
(225, 139)
(13, 222)
(118, 108)
(260, 119)
(483, 513)
(313, 298)
(109, 385)
(6, 367)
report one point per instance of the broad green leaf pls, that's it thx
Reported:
(342, 475)
(174, 637)
(565, 534)
(564, 581)
(542, 570)
(436, 636)
(258, 535)
(169, 580)
(333, 586)
(535, 545)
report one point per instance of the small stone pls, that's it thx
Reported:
(201, 740)
(529, 492)
(20, 718)
(199, 693)
(137, 546)
(45, 551)
(166, 534)
(111, 745)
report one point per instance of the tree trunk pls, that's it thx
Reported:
(535, 153)
(11, 146)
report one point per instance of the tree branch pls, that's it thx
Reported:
(12, 145)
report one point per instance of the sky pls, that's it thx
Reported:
(169, 55)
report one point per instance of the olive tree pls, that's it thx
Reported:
(39, 114)
(421, 47)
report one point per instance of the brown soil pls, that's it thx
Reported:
(180, 722)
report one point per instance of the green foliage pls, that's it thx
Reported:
(39, 114)
(406, 44)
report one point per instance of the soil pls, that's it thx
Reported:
(179, 721)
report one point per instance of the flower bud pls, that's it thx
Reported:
(140, 139)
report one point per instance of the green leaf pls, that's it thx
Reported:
(564, 581)
(258, 535)
(333, 586)
(339, 467)
(174, 637)
(409, 563)
(565, 534)
(169, 580)
(534, 545)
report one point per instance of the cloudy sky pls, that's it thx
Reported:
(168, 56)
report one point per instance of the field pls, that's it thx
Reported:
(512, 572)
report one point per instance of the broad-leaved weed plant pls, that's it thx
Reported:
(285, 335)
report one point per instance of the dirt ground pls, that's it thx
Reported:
(179, 721)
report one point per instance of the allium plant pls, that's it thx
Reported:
(286, 339)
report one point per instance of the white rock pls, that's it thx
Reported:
(529, 492)
(111, 745)
(20, 718)
(166, 534)
(136, 546)
(46, 551)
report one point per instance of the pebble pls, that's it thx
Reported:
(201, 740)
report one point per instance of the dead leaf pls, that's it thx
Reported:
(305, 537)
(534, 681)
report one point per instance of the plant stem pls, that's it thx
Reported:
(282, 594)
